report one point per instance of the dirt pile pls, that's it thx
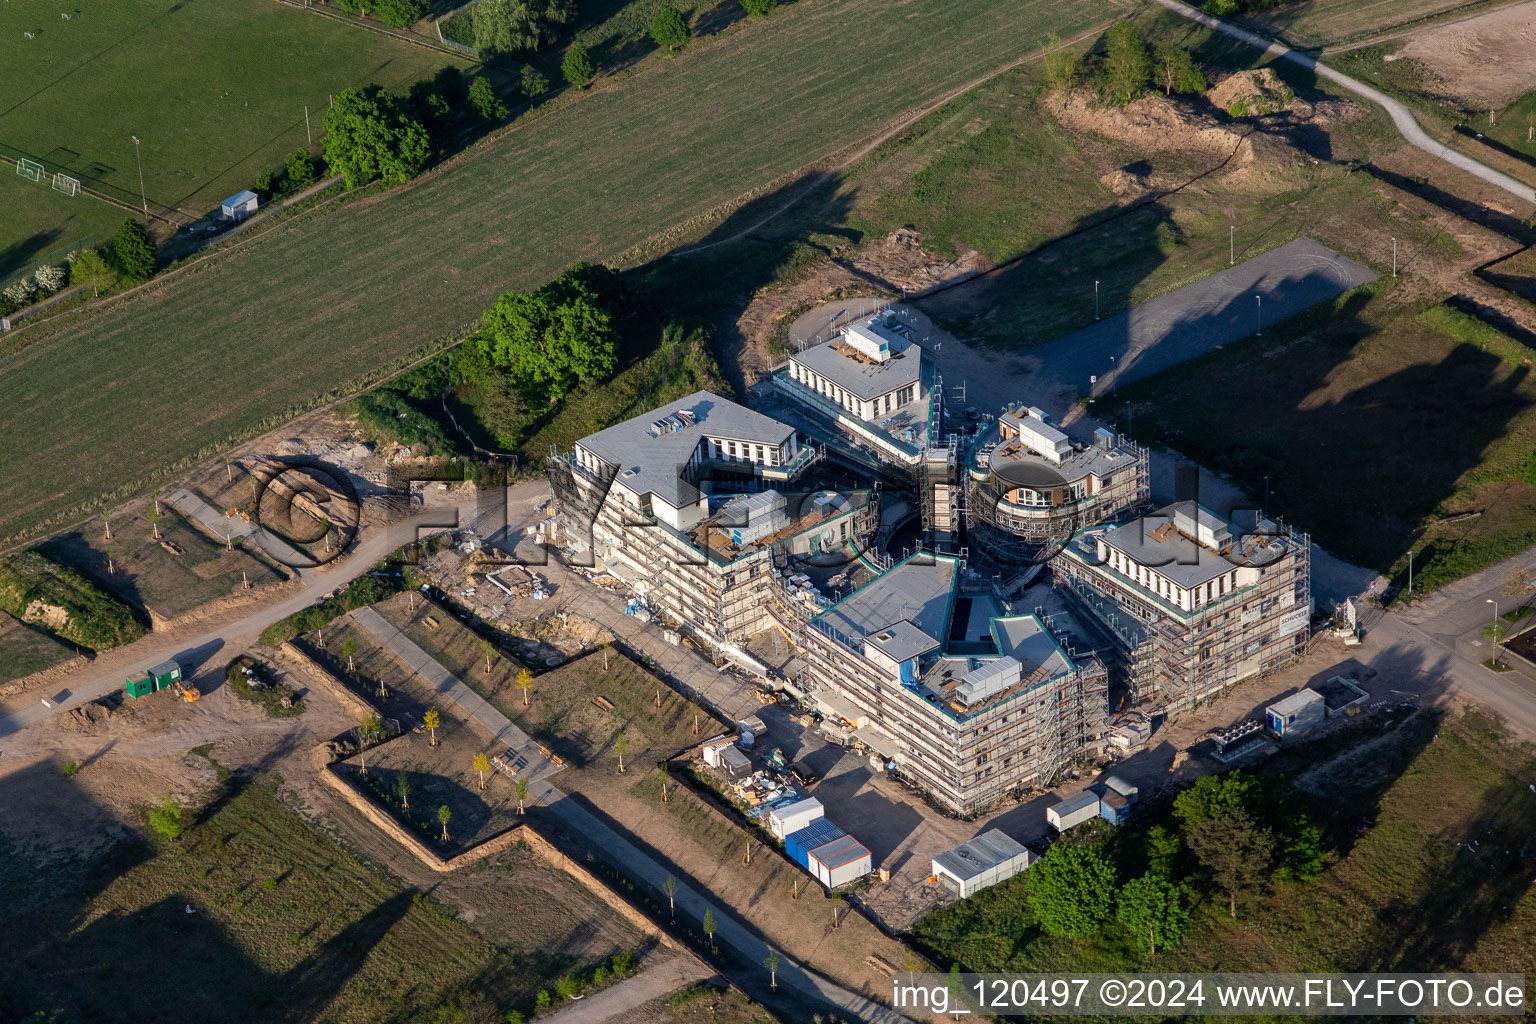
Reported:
(1153, 124)
(1249, 93)
(85, 718)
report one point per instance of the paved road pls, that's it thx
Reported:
(236, 528)
(1401, 116)
(619, 1001)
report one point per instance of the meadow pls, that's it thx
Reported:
(215, 91)
(249, 336)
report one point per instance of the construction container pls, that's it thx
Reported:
(798, 845)
(711, 750)
(734, 764)
(1294, 715)
(793, 817)
(1073, 811)
(839, 862)
(1114, 807)
(165, 675)
(980, 862)
(136, 688)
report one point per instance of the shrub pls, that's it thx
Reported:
(71, 768)
(577, 68)
(299, 168)
(482, 96)
(263, 184)
(131, 253)
(623, 960)
(86, 614)
(20, 293)
(165, 818)
(364, 590)
(400, 13)
(759, 8)
(669, 30)
(50, 278)
(542, 1000)
(534, 84)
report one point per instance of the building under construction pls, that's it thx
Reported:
(692, 504)
(970, 702)
(1192, 604)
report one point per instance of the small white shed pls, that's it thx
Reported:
(240, 205)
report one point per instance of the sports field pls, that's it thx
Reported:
(40, 225)
(279, 323)
(214, 89)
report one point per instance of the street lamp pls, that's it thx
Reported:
(1258, 315)
(1232, 246)
(1095, 300)
(1266, 496)
(143, 196)
(1493, 628)
(1116, 373)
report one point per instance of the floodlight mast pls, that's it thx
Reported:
(143, 196)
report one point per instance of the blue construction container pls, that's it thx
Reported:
(800, 844)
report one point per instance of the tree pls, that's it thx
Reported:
(165, 818)
(1215, 795)
(576, 66)
(772, 963)
(154, 515)
(521, 789)
(482, 96)
(669, 30)
(511, 26)
(400, 13)
(1163, 850)
(1517, 582)
(403, 790)
(533, 82)
(299, 168)
(91, 270)
(482, 765)
(131, 253)
(670, 888)
(836, 899)
(432, 720)
(709, 927)
(548, 340)
(1221, 8)
(1236, 850)
(488, 652)
(370, 133)
(1176, 71)
(1150, 908)
(443, 814)
(1127, 65)
(759, 8)
(1072, 890)
(621, 747)
(368, 730)
(1301, 850)
(1062, 66)
(525, 683)
(349, 651)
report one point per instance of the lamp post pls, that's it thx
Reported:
(1410, 572)
(1258, 315)
(1232, 245)
(1095, 300)
(143, 196)
(1265, 510)
(1116, 373)
(1394, 257)
(1493, 628)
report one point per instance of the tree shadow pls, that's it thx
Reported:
(20, 256)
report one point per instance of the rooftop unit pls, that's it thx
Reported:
(1202, 525)
(868, 340)
(990, 679)
(1036, 431)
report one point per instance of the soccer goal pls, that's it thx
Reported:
(29, 169)
(64, 183)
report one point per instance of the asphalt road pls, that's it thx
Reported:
(1401, 116)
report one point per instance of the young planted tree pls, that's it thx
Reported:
(576, 66)
(709, 927)
(403, 790)
(669, 30)
(482, 766)
(525, 683)
(621, 747)
(836, 899)
(772, 963)
(670, 888)
(91, 270)
(1151, 910)
(431, 720)
(662, 768)
(532, 82)
(488, 652)
(1236, 850)
(154, 515)
(368, 731)
(349, 651)
(521, 789)
(443, 814)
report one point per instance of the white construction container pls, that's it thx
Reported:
(1073, 811)
(793, 817)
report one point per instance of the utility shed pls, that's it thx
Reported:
(979, 862)
(240, 205)
(818, 833)
(1114, 807)
(734, 764)
(1073, 811)
(1294, 715)
(793, 817)
(839, 861)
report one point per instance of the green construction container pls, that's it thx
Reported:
(136, 688)
(165, 675)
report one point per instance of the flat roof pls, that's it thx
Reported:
(862, 378)
(1023, 637)
(1075, 803)
(1298, 701)
(901, 640)
(979, 854)
(817, 833)
(839, 852)
(1152, 541)
(912, 591)
(654, 465)
(164, 668)
(240, 197)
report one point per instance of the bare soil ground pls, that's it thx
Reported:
(1482, 62)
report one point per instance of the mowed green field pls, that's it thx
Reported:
(1330, 22)
(38, 224)
(278, 323)
(214, 89)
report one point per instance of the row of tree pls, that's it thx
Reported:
(128, 259)
(1127, 67)
(1237, 832)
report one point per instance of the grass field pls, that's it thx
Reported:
(43, 226)
(286, 926)
(1405, 889)
(148, 576)
(25, 649)
(215, 91)
(236, 339)
(1330, 22)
